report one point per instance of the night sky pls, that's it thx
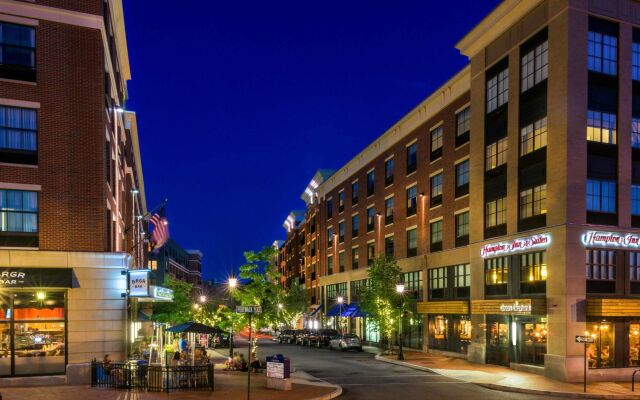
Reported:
(239, 103)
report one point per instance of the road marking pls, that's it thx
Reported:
(425, 375)
(404, 383)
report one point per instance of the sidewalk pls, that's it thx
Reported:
(508, 380)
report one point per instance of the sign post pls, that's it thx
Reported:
(586, 340)
(249, 310)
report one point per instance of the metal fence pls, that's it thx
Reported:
(151, 377)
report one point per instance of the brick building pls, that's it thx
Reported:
(71, 185)
(510, 197)
(175, 261)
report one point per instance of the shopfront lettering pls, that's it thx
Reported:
(34, 277)
(520, 244)
(515, 307)
(610, 239)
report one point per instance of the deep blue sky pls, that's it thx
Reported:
(239, 103)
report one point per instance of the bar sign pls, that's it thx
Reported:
(584, 339)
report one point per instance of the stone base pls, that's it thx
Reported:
(79, 374)
(476, 353)
(279, 384)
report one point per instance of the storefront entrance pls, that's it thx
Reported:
(498, 346)
(516, 339)
(449, 332)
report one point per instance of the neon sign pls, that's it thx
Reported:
(610, 239)
(516, 245)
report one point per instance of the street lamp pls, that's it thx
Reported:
(203, 299)
(340, 301)
(196, 306)
(400, 291)
(233, 282)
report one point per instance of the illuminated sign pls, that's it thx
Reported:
(611, 239)
(162, 294)
(35, 277)
(139, 283)
(515, 307)
(520, 244)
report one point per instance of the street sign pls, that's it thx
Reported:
(584, 339)
(249, 309)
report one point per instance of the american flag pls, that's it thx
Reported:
(160, 233)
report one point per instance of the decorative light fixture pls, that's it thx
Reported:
(40, 295)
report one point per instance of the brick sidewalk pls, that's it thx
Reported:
(228, 386)
(507, 379)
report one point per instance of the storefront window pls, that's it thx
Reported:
(533, 343)
(496, 276)
(634, 345)
(601, 353)
(533, 273)
(440, 327)
(449, 332)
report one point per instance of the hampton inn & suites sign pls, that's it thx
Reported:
(611, 239)
(515, 245)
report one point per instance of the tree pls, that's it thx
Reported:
(294, 304)
(180, 309)
(380, 300)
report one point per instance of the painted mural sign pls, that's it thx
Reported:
(516, 245)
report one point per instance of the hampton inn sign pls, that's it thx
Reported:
(520, 244)
(596, 238)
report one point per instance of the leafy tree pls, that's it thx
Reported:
(380, 299)
(294, 304)
(180, 309)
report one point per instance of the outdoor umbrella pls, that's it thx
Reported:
(194, 327)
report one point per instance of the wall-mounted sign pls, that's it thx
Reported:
(249, 309)
(515, 307)
(610, 239)
(161, 293)
(35, 277)
(139, 283)
(585, 339)
(520, 244)
(533, 306)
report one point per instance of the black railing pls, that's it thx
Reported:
(151, 378)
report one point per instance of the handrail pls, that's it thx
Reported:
(633, 380)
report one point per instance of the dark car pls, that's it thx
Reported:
(323, 337)
(301, 336)
(287, 336)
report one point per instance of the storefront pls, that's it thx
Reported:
(449, 325)
(516, 330)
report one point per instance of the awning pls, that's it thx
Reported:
(314, 312)
(334, 311)
(350, 310)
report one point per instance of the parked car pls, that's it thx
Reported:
(346, 341)
(311, 337)
(301, 336)
(276, 336)
(322, 337)
(287, 336)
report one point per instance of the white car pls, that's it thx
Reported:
(346, 341)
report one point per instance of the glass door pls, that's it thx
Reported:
(498, 340)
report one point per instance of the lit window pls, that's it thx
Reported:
(436, 190)
(496, 154)
(496, 275)
(534, 66)
(533, 272)
(498, 90)
(436, 232)
(603, 53)
(533, 136)
(601, 127)
(601, 196)
(533, 201)
(496, 212)
(462, 224)
(18, 211)
(18, 128)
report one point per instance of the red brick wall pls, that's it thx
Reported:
(85, 6)
(71, 135)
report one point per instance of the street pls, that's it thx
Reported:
(362, 377)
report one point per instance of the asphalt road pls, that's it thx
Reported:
(362, 377)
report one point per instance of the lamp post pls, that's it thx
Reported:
(340, 301)
(400, 291)
(233, 282)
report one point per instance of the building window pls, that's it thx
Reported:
(498, 90)
(533, 66)
(496, 213)
(635, 61)
(533, 273)
(601, 196)
(436, 235)
(413, 284)
(355, 226)
(601, 271)
(341, 201)
(533, 136)
(412, 158)
(601, 353)
(463, 121)
(412, 242)
(496, 275)
(19, 211)
(601, 127)
(357, 289)
(371, 253)
(388, 245)
(634, 272)
(329, 237)
(388, 211)
(355, 258)
(436, 190)
(388, 172)
(635, 133)
(438, 283)
(462, 280)
(436, 142)
(371, 219)
(341, 232)
(462, 229)
(17, 52)
(462, 178)
(603, 53)
(354, 193)
(329, 265)
(412, 201)
(341, 261)
(371, 183)
(18, 129)
(329, 208)
(533, 201)
(496, 154)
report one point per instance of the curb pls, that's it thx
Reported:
(504, 388)
(337, 389)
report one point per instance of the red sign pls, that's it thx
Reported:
(610, 239)
(520, 244)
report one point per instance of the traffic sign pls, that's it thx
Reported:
(249, 309)
(584, 339)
